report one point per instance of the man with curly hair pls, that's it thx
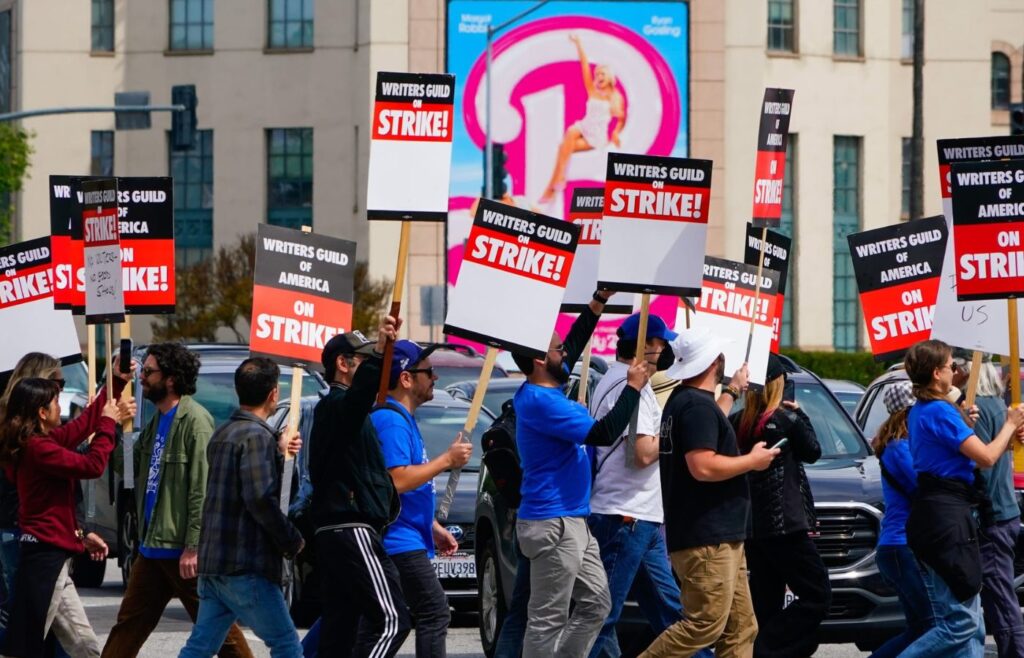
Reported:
(169, 462)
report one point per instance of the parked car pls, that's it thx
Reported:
(439, 421)
(848, 393)
(110, 507)
(454, 363)
(846, 483)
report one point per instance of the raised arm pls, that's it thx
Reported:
(588, 76)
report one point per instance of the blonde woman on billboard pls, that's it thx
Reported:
(604, 103)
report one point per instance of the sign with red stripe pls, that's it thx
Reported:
(513, 278)
(586, 210)
(898, 273)
(411, 147)
(776, 257)
(26, 306)
(770, 169)
(303, 292)
(655, 224)
(101, 242)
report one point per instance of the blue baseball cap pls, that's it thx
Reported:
(656, 328)
(407, 354)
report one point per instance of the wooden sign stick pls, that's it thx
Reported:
(972, 379)
(1011, 312)
(757, 293)
(109, 328)
(581, 396)
(126, 332)
(467, 431)
(396, 308)
(90, 358)
(294, 415)
(641, 347)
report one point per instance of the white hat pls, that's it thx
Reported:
(695, 350)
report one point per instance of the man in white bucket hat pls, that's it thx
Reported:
(707, 507)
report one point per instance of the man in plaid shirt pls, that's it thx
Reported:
(244, 533)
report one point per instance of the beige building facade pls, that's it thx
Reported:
(848, 61)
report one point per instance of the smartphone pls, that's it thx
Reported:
(781, 444)
(125, 358)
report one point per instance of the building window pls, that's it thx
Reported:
(846, 28)
(102, 26)
(290, 177)
(101, 161)
(907, 33)
(191, 24)
(787, 337)
(291, 24)
(5, 61)
(1000, 81)
(905, 155)
(192, 172)
(781, 26)
(845, 220)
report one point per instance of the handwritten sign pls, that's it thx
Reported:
(101, 239)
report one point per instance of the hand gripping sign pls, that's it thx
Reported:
(513, 278)
(101, 243)
(770, 170)
(897, 269)
(774, 256)
(302, 294)
(411, 147)
(727, 301)
(655, 224)
(26, 307)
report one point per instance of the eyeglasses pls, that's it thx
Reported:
(954, 367)
(557, 348)
(429, 371)
(60, 382)
(147, 371)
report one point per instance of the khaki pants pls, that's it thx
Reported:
(716, 598)
(67, 617)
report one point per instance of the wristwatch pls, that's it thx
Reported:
(598, 298)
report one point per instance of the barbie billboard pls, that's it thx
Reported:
(570, 82)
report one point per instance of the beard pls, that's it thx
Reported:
(156, 392)
(558, 371)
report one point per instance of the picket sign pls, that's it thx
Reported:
(757, 293)
(396, 309)
(773, 255)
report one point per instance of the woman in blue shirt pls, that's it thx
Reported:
(942, 528)
(895, 560)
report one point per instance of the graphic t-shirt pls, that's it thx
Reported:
(163, 429)
(402, 445)
(936, 431)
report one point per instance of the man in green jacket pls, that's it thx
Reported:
(169, 462)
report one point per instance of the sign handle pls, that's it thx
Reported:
(972, 380)
(126, 332)
(641, 346)
(757, 293)
(109, 328)
(467, 430)
(581, 396)
(396, 308)
(90, 357)
(1011, 312)
(294, 415)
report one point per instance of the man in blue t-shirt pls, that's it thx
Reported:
(410, 540)
(551, 431)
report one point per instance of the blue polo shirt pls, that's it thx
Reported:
(937, 431)
(550, 431)
(402, 445)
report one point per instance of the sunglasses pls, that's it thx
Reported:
(60, 382)
(429, 371)
(147, 371)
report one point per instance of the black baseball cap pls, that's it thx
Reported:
(347, 344)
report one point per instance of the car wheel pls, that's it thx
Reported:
(128, 535)
(491, 598)
(86, 572)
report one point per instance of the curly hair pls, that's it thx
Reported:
(178, 363)
(20, 421)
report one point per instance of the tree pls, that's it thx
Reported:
(15, 158)
(371, 299)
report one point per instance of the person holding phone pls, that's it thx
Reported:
(780, 551)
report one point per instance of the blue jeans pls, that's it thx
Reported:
(899, 569)
(959, 630)
(250, 599)
(311, 641)
(635, 558)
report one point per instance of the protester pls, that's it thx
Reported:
(896, 562)
(780, 552)
(941, 528)
(626, 507)
(170, 468)
(708, 507)
(410, 540)
(354, 499)
(551, 430)
(999, 530)
(245, 536)
(39, 455)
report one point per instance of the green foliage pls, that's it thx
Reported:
(859, 367)
(15, 158)
(371, 300)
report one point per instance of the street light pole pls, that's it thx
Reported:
(489, 144)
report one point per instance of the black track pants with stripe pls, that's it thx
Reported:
(364, 613)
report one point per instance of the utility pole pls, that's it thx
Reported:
(917, 136)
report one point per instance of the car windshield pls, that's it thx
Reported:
(447, 375)
(849, 400)
(76, 377)
(439, 427)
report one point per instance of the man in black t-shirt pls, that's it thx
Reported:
(707, 507)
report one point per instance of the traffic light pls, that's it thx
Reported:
(1017, 119)
(498, 172)
(183, 122)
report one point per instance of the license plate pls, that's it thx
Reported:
(460, 565)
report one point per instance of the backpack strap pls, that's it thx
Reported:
(595, 465)
(893, 482)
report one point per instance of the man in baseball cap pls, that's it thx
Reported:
(709, 505)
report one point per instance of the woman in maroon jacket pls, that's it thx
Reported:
(39, 454)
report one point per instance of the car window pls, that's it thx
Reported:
(76, 377)
(447, 375)
(836, 433)
(494, 399)
(439, 427)
(876, 412)
(848, 400)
